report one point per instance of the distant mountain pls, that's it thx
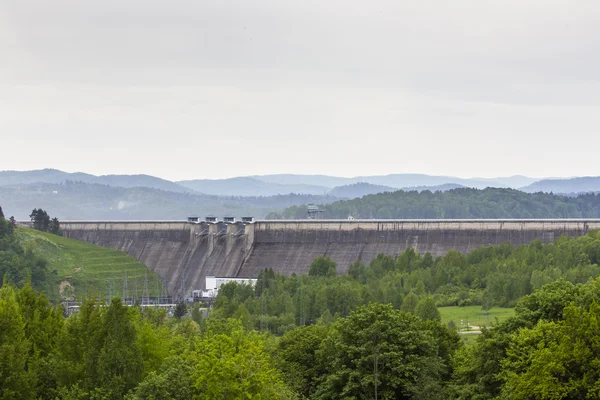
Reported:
(79, 200)
(397, 181)
(15, 178)
(362, 189)
(572, 185)
(416, 180)
(248, 186)
(359, 189)
(514, 182)
(41, 176)
(440, 188)
(317, 180)
(131, 181)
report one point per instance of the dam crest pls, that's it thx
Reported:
(184, 253)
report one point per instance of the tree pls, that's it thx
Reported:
(6, 228)
(409, 304)
(380, 353)
(427, 310)
(235, 365)
(40, 219)
(15, 380)
(296, 356)
(356, 269)
(556, 360)
(1, 212)
(54, 226)
(322, 266)
(197, 314)
(173, 381)
(180, 310)
(120, 363)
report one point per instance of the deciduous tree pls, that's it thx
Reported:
(322, 266)
(380, 353)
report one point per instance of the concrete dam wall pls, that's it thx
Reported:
(183, 254)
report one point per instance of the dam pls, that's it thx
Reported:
(184, 253)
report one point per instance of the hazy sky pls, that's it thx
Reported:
(186, 89)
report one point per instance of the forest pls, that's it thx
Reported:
(488, 276)
(456, 203)
(548, 350)
(371, 333)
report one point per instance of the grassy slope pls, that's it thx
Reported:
(474, 315)
(90, 269)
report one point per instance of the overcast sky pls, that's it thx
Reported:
(186, 89)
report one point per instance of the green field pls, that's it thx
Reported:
(474, 315)
(78, 268)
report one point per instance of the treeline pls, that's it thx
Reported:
(457, 203)
(488, 276)
(118, 352)
(41, 221)
(549, 349)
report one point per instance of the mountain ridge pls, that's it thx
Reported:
(583, 184)
(50, 175)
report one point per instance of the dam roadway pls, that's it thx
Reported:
(183, 253)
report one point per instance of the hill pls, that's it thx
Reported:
(458, 203)
(77, 268)
(20, 178)
(247, 186)
(262, 185)
(358, 190)
(397, 181)
(442, 188)
(565, 186)
(77, 201)
(515, 181)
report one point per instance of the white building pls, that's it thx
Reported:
(213, 283)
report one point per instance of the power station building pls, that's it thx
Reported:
(213, 283)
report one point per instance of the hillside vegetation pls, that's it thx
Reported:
(457, 203)
(68, 268)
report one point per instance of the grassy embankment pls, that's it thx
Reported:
(86, 269)
(473, 317)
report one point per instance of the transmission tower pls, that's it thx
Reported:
(145, 295)
(180, 291)
(135, 291)
(125, 289)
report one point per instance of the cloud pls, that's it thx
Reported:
(323, 78)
